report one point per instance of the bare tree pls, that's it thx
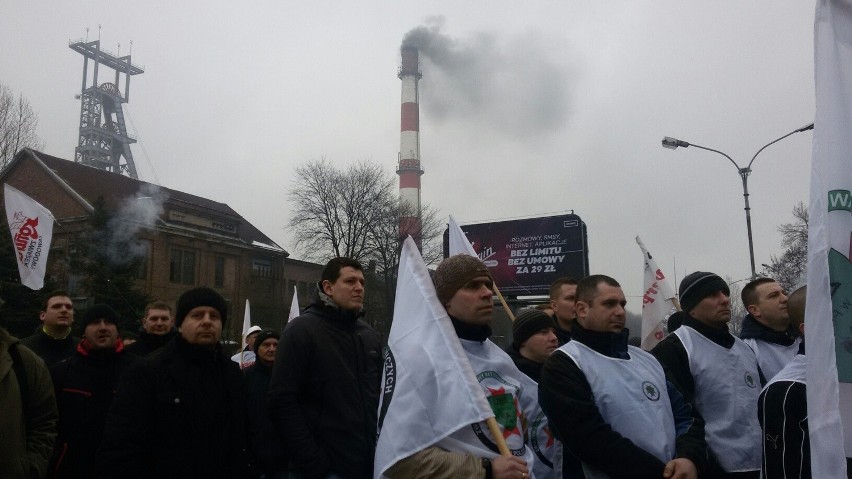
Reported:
(789, 268)
(355, 213)
(18, 124)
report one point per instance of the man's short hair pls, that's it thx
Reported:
(157, 305)
(556, 286)
(796, 306)
(587, 288)
(332, 269)
(52, 295)
(749, 294)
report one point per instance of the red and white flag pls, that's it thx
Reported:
(828, 315)
(31, 226)
(294, 305)
(658, 302)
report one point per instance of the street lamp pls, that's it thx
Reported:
(673, 143)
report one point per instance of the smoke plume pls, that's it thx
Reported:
(519, 86)
(132, 215)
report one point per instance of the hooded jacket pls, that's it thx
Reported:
(28, 430)
(324, 391)
(774, 349)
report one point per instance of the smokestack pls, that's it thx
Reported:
(408, 168)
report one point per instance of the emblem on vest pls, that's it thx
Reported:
(651, 391)
(501, 396)
(749, 380)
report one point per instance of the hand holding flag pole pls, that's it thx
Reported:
(460, 245)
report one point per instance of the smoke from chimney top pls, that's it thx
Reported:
(519, 86)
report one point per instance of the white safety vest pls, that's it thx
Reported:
(772, 357)
(631, 396)
(793, 371)
(727, 387)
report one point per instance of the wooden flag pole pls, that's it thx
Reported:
(498, 436)
(503, 302)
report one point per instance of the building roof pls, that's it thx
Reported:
(91, 183)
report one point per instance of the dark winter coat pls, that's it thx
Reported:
(49, 349)
(84, 385)
(149, 343)
(179, 413)
(528, 367)
(267, 452)
(324, 393)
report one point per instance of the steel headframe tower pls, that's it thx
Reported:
(103, 135)
(408, 169)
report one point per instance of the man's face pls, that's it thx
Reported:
(348, 291)
(714, 310)
(59, 312)
(539, 346)
(202, 325)
(606, 312)
(564, 306)
(158, 321)
(266, 350)
(771, 307)
(472, 302)
(101, 334)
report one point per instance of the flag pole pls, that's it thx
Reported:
(498, 436)
(503, 302)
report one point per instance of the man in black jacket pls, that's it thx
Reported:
(717, 374)
(158, 328)
(84, 385)
(533, 339)
(54, 342)
(766, 327)
(181, 412)
(610, 403)
(324, 392)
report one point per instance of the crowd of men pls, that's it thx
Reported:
(703, 403)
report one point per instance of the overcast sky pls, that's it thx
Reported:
(527, 108)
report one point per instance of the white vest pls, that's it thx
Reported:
(631, 396)
(772, 357)
(727, 387)
(514, 399)
(793, 371)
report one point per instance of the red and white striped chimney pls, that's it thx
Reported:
(408, 169)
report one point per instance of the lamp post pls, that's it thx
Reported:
(673, 143)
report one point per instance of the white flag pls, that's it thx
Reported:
(31, 225)
(246, 327)
(294, 305)
(658, 302)
(828, 314)
(429, 389)
(459, 243)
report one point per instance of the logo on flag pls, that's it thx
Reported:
(31, 226)
(28, 243)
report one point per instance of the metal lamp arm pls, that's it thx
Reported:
(719, 152)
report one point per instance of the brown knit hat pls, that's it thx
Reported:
(454, 272)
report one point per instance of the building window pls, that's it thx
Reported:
(182, 266)
(219, 272)
(144, 259)
(261, 268)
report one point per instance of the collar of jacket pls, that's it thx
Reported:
(325, 302)
(84, 348)
(613, 345)
(201, 355)
(471, 332)
(754, 329)
(722, 337)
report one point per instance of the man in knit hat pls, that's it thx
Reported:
(463, 285)
(718, 374)
(84, 385)
(533, 339)
(188, 400)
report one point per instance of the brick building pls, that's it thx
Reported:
(186, 240)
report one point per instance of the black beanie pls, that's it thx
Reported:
(99, 311)
(201, 296)
(263, 336)
(699, 285)
(529, 323)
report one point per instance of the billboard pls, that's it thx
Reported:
(525, 256)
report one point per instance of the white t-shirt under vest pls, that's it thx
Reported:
(772, 357)
(631, 396)
(727, 387)
(513, 397)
